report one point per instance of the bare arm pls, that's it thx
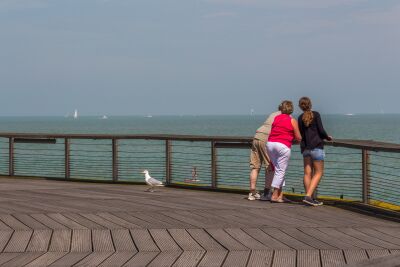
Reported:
(297, 135)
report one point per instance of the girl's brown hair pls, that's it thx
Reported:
(306, 105)
(286, 107)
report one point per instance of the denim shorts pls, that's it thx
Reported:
(315, 154)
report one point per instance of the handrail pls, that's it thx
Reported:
(223, 159)
(349, 143)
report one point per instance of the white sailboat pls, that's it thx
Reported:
(75, 114)
(104, 117)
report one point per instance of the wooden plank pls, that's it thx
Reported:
(94, 259)
(388, 261)
(142, 258)
(369, 239)
(46, 259)
(213, 258)
(382, 236)
(226, 240)
(245, 239)
(377, 253)
(143, 240)
(48, 222)
(184, 240)
(30, 222)
(13, 223)
(287, 239)
(309, 240)
(118, 259)
(266, 239)
(338, 243)
(83, 221)
(102, 241)
(392, 231)
(5, 257)
(187, 219)
(332, 258)
(260, 258)
(19, 241)
(122, 240)
(132, 219)
(236, 258)
(308, 258)
(23, 259)
(70, 259)
(169, 221)
(164, 240)
(151, 222)
(353, 256)
(189, 259)
(347, 238)
(5, 227)
(205, 240)
(284, 258)
(165, 258)
(40, 241)
(60, 241)
(81, 240)
(118, 220)
(71, 224)
(4, 238)
(100, 221)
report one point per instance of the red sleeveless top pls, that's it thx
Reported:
(282, 130)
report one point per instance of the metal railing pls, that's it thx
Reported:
(364, 171)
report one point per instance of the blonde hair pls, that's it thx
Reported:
(286, 107)
(306, 105)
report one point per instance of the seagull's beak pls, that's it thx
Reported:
(144, 171)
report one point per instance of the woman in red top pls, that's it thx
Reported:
(284, 131)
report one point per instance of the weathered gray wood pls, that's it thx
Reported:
(60, 241)
(94, 259)
(370, 239)
(307, 239)
(30, 222)
(213, 258)
(392, 260)
(23, 259)
(40, 241)
(100, 221)
(19, 241)
(102, 241)
(46, 259)
(143, 240)
(308, 258)
(226, 240)
(122, 240)
(184, 240)
(266, 239)
(4, 238)
(284, 258)
(71, 224)
(5, 257)
(189, 259)
(164, 240)
(14, 223)
(83, 221)
(165, 258)
(81, 240)
(70, 259)
(236, 258)
(353, 256)
(347, 238)
(117, 259)
(287, 239)
(380, 235)
(332, 240)
(245, 239)
(118, 220)
(205, 240)
(331, 258)
(48, 222)
(142, 258)
(377, 253)
(260, 258)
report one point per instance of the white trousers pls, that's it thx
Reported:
(279, 155)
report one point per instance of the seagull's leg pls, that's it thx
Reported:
(152, 189)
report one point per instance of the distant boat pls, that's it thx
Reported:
(252, 111)
(349, 114)
(104, 117)
(149, 116)
(75, 114)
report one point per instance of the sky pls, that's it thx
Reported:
(176, 57)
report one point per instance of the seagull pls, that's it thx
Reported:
(151, 181)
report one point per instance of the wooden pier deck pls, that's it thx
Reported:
(56, 223)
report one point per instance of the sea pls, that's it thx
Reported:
(191, 161)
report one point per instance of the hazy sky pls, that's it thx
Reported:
(131, 57)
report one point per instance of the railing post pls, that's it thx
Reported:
(365, 176)
(11, 156)
(66, 157)
(115, 159)
(213, 165)
(168, 162)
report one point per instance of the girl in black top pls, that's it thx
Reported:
(312, 148)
